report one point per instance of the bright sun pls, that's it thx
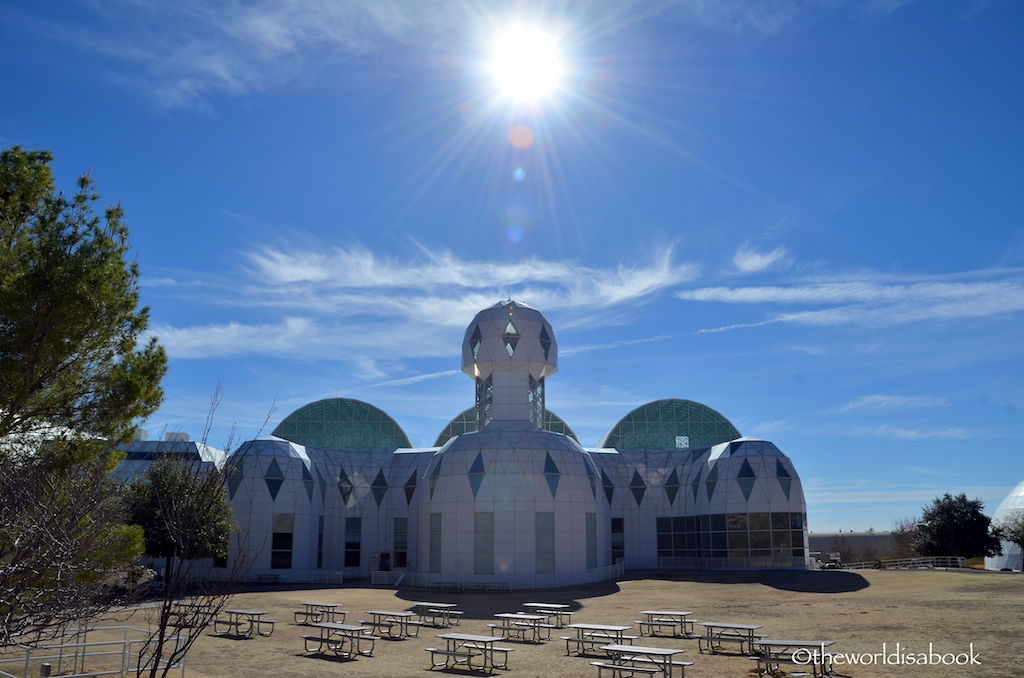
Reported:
(525, 63)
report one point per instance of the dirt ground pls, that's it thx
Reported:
(950, 611)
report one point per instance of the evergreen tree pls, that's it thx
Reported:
(956, 526)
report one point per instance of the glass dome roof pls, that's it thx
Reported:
(342, 423)
(669, 424)
(467, 421)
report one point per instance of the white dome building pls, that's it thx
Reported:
(507, 497)
(1011, 558)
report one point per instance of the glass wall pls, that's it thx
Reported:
(732, 535)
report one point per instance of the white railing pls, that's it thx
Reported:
(908, 563)
(468, 582)
(761, 563)
(85, 659)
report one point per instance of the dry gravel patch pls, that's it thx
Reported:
(951, 610)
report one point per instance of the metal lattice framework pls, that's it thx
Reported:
(342, 423)
(466, 421)
(670, 424)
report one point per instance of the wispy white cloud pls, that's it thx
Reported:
(878, 402)
(749, 260)
(901, 433)
(357, 306)
(873, 302)
(415, 380)
(575, 350)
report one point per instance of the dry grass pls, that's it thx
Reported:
(861, 611)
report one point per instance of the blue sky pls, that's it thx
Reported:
(806, 214)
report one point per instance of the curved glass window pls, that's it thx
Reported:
(466, 421)
(342, 423)
(663, 424)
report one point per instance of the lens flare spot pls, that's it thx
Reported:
(519, 174)
(514, 235)
(520, 136)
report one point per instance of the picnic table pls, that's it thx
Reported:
(717, 633)
(462, 648)
(342, 639)
(244, 623)
(318, 612)
(637, 658)
(438, 614)
(521, 625)
(772, 653)
(590, 635)
(671, 619)
(396, 624)
(557, 610)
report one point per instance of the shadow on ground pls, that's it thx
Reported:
(820, 581)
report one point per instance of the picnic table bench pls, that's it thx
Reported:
(623, 670)
(452, 658)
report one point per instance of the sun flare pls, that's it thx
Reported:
(526, 63)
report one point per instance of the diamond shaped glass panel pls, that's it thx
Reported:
(344, 486)
(274, 485)
(410, 488)
(379, 487)
(780, 470)
(638, 487)
(785, 484)
(746, 471)
(671, 487)
(273, 471)
(746, 484)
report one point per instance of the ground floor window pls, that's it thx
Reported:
(401, 542)
(483, 543)
(618, 539)
(281, 541)
(732, 535)
(591, 540)
(353, 541)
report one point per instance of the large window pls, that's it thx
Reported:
(618, 539)
(353, 541)
(483, 543)
(281, 541)
(435, 542)
(401, 541)
(545, 542)
(733, 535)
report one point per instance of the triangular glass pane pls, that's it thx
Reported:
(785, 483)
(309, 489)
(510, 345)
(378, 494)
(476, 336)
(549, 465)
(593, 486)
(696, 488)
(478, 463)
(344, 486)
(552, 479)
(746, 471)
(433, 484)
(710, 486)
(671, 490)
(274, 485)
(608, 492)
(475, 480)
(273, 471)
(437, 469)
(781, 472)
(713, 474)
(510, 330)
(746, 484)
(233, 484)
(305, 473)
(638, 494)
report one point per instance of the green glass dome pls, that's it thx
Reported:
(342, 423)
(467, 421)
(669, 424)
